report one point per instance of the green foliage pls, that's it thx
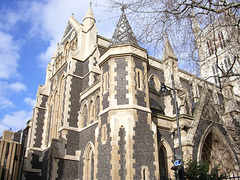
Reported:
(200, 171)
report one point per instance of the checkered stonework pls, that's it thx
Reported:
(123, 33)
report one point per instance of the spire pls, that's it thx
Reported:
(168, 51)
(89, 13)
(123, 33)
(195, 25)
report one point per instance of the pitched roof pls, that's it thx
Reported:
(123, 33)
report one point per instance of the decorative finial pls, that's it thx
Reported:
(123, 7)
(90, 3)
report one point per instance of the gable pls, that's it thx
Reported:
(209, 112)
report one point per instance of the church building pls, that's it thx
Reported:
(101, 113)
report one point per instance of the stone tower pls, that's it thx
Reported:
(126, 144)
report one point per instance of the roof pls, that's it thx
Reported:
(123, 33)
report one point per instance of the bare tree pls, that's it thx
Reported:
(194, 28)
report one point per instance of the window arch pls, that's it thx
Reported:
(165, 158)
(66, 50)
(163, 164)
(49, 119)
(155, 107)
(83, 114)
(91, 112)
(154, 82)
(97, 106)
(88, 157)
(60, 103)
(214, 148)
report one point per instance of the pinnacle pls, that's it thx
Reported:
(89, 13)
(123, 33)
(168, 51)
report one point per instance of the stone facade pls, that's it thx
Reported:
(101, 115)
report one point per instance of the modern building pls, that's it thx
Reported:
(11, 151)
(101, 114)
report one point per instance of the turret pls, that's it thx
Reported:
(125, 117)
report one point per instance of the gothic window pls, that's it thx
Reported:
(221, 40)
(105, 82)
(54, 117)
(210, 47)
(163, 163)
(89, 162)
(228, 64)
(152, 82)
(215, 151)
(215, 73)
(104, 134)
(60, 106)
(66, 50)
(85, 115)
(139, 79)
(145, 173)
(91, 112)
(155, 107)
(97, 106)
(49, 122)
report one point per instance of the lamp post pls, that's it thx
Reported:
(164, 89)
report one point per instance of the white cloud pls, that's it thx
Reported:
(8, 56)
(16, 120)
(18, 86)
(30, 101)
(5, 103)
(8, 88)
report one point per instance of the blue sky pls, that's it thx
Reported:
(29, 32)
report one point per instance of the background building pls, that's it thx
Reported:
(11, 154)
(218, 50)
(101, 115)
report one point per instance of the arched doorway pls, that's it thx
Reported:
(163, 164)
(89, 162)
(216, 150)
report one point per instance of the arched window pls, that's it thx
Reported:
(97, 106)
(163, 163)
(215, 150)
(88, 162)
(60, 106)
(91, 112)
(49, 121)
(155, 107)
(154, 82)
(66, 50)
(85, 115)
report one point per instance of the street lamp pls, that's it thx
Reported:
(179, 162)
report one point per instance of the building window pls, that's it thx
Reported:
(221, 40)
(145, 173)
(163, 163)
(139, 79)
(91, 112)
(104, 134)
(152, 82)
(210, 47)
(215, 73)
(105, 82)
(228, 65)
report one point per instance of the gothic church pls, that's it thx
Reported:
(101, 114)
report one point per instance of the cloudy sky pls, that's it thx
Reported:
(29, 32)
